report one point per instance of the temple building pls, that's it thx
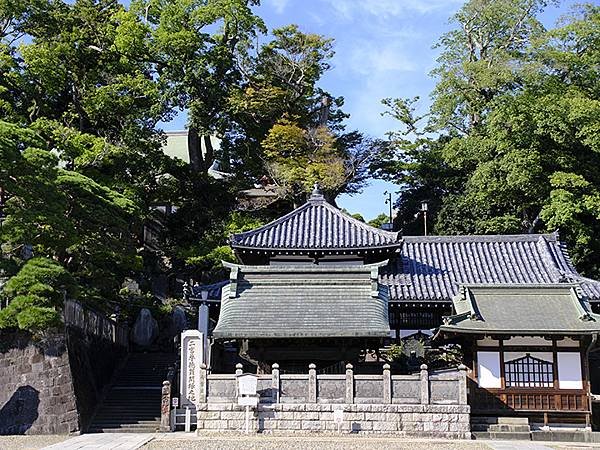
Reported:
(318, 286)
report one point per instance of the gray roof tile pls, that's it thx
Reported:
(524, 308)
(295, 302)
(316, 225)
(431, 268)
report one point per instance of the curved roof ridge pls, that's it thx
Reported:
(360, 224)
(482, 238)
(316, 225)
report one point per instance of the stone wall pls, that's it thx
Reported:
(54, 385)
(440, 421)
(36, 388)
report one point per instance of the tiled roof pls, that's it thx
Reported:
(309, 301)
(316, 225)
(431, 268)
(525, 309)
(214, 290)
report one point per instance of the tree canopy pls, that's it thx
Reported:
(510, 143)
(84, 88)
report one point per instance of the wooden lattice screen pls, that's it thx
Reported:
(528, 372)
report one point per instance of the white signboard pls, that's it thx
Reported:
(192, 355)
(247, 384)
(174, 402)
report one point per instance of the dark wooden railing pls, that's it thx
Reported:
(527, 399)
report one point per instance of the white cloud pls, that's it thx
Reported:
(279, 5)
(384, 9)
(368, 58)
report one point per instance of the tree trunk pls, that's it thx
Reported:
(195, 150)
(209, 156)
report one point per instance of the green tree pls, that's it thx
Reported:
(35, 296)
(510, 145)
(286, 126)
(63, 214)
(378, 221)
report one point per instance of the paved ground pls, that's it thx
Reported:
(181, 441)
(120, 441)
(28, 442)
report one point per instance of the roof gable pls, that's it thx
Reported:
(316, 225)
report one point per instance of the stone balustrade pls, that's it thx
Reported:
(426, 403)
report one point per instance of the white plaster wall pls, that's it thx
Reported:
(545, 356)
(488, 370)
(567, 342)
(527, 340)
(487, 342)
(569, 370)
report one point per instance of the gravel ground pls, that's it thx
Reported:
(234, 442)
(29, 442)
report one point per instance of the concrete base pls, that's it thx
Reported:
(566, 436)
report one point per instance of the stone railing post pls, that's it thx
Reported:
(462, 386)
(275, 386)
(349, 384)
(387, 384)
(312, 383)
(238, 371)
(424, 385)
(165, 407)
(203, 394)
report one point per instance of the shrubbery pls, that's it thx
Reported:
(35, 295)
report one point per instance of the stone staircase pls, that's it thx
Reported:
(503, 428)
(133, 402)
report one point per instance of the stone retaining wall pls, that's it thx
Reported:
(52, 386)
(36, 388)
(440, 421)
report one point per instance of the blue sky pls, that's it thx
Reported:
(383, 49)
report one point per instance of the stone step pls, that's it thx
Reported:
(133, 403)
(113, 423)
(494, 428)
(506, 436)
(500, 420)
(139, 413)
(123, 430)
(513, 420)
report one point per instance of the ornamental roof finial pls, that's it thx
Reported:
(316, 193)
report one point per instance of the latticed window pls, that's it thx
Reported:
(528, 372)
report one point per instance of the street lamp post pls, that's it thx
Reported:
(388, 201)
(424, 208)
